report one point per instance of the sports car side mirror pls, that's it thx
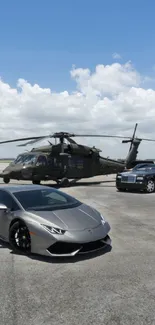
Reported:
(3, 207)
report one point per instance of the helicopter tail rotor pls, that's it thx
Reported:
(133, 137)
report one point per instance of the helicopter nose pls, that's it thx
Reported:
(18, 172)
(26, 173)
(5, 173)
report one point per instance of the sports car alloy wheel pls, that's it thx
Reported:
(19, 238)
(150, 187)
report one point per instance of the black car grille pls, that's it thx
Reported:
(60, 248)
(128, 179)
(124, 178)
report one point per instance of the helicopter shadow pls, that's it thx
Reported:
(86, 184)
(60, 260)
(72, 183)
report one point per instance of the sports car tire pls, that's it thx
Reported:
(150, 187)
(19, 238)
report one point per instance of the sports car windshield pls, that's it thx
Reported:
(45, 200)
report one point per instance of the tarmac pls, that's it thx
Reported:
(113, 287)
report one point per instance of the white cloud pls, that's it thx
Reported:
(116, 56)
(109, 100)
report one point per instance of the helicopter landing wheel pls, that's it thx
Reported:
(6, 180)
(64, 182)
(36, 182)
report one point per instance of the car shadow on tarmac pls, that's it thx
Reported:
(134, 192)
(61, 260)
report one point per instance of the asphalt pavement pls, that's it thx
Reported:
(112, 287)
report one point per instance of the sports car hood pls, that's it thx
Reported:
(79, 218)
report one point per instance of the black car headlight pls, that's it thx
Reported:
(54, 230)
(140, 178)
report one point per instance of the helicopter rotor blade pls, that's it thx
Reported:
(24, 139)
(100, 136)
(145, 139)
(50, 143)
(113, 136)
(71, 140)
(31, 142)
(68, 136)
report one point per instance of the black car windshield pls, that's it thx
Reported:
(144, 167)
(45, 200)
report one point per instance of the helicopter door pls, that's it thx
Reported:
(58, 166)
(41, 165)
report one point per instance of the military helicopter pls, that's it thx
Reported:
(62, 162)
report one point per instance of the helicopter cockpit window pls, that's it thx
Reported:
(30, 159)
(41, 161)
(20, 159)
(25, 159)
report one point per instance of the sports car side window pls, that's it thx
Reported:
(6, 199)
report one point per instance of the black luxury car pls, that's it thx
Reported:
(140, 178)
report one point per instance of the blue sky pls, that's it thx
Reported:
(40, 40)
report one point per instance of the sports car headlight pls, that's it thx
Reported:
(54, 230)
(102, 219)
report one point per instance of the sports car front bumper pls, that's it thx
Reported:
(75, 242)
(72, 249)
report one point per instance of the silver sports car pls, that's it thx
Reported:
(42, 220)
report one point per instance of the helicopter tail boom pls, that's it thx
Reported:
(133, 150)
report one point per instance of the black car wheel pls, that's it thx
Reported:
(121, 189)
(19, 238)
(150, 187)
